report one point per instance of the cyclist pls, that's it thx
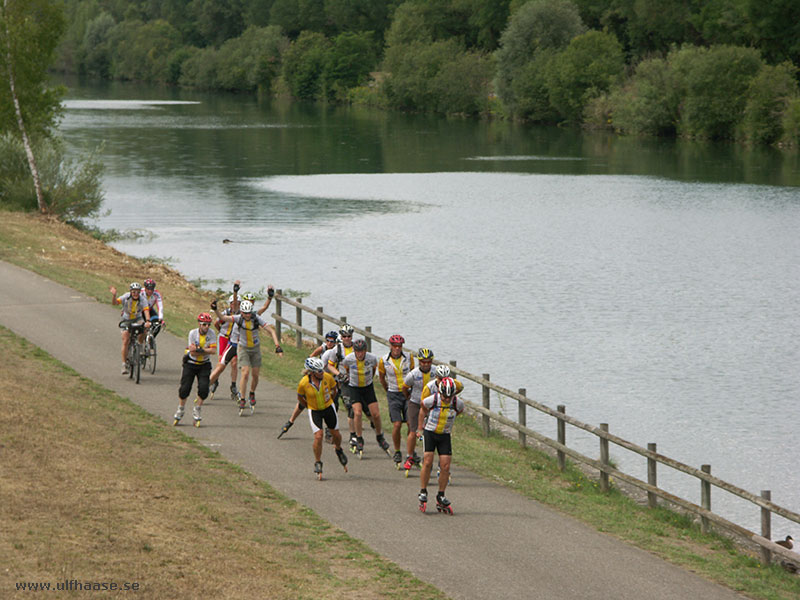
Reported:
(330, 342)
(316, 391)
(413, 384)
(360, 366)
(156, 303)
(392, 370)
(248, 351)
(202, 344)
(134, 308)
(437, 413)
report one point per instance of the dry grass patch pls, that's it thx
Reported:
(95, 489)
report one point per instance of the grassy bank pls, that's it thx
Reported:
(68, 256)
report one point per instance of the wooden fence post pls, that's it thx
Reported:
(652, 479)
(453, 364)
(522, 417)
(561, 434)
(319, 322)
(705, 499)
(279, 312)
(299, 321)
(604, 459)
(486, 420)
(766, 528)
(368, 337)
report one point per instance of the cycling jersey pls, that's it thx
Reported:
(442, 412)
(132, 309)
(432, 388)
(416, 381)
(226, 328)
(207, 341)
(248, 330)
(317, 398)
(156, 304)
(360, 371)
(395, 369)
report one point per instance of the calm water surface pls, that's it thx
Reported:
(654, 286)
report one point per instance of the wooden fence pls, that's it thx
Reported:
(559, 444)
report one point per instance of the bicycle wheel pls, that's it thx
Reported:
(152, 352)
(137, 363)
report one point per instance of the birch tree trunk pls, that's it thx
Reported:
(26, 142)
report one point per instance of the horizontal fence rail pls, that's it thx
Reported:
(603, 466)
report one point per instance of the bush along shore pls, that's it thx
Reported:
(69, 256)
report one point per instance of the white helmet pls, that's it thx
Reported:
(232, 299)
(442, 371)
(246, 306)
(315, 364)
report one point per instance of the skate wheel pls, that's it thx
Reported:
(345, 468)
(360, 455)
(407, 471)
(175, 422)
(319, 476)
(422, 506)
(197, 423)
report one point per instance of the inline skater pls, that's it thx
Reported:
(316, 391)
(202, 344)
(226, 338)
(392, 371)
(413, 384)
(134, 308)
(248, 351)
(437, 412)
(440, 372)
(360, 367)
(331, 338)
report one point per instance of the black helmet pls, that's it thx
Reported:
(359, 345)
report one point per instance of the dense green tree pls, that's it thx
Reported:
(141, 51)
(295, 16)
(768, 100)
(409, 25)
(251, 61)
(590, 65)
(649, 103)
(776, 29)
(304, 65)
(358, 15)
(349, 61)
(200, 68)
(715, 81)
(217, 20)
(486, 20)
(538, 26)
(96, 47)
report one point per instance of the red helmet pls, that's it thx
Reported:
(397, 339)
(447, 387)
(204, 318)
(149, 284)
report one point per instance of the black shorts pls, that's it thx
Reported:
(327, 416)
(437, 442)
(363, 395)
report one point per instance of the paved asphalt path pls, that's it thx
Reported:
(497, 545)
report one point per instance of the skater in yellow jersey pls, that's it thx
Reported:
(437, 413)
(316, 391)
(202, 345)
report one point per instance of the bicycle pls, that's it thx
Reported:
(149, 352)
(133, 359)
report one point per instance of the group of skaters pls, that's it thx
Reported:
(421, 396)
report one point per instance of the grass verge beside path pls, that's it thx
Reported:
(89, 266)
(97, 490)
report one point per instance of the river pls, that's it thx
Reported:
(651, 285)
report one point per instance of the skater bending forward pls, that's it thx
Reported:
(440, 410)
(202, 344)
(316, 391)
